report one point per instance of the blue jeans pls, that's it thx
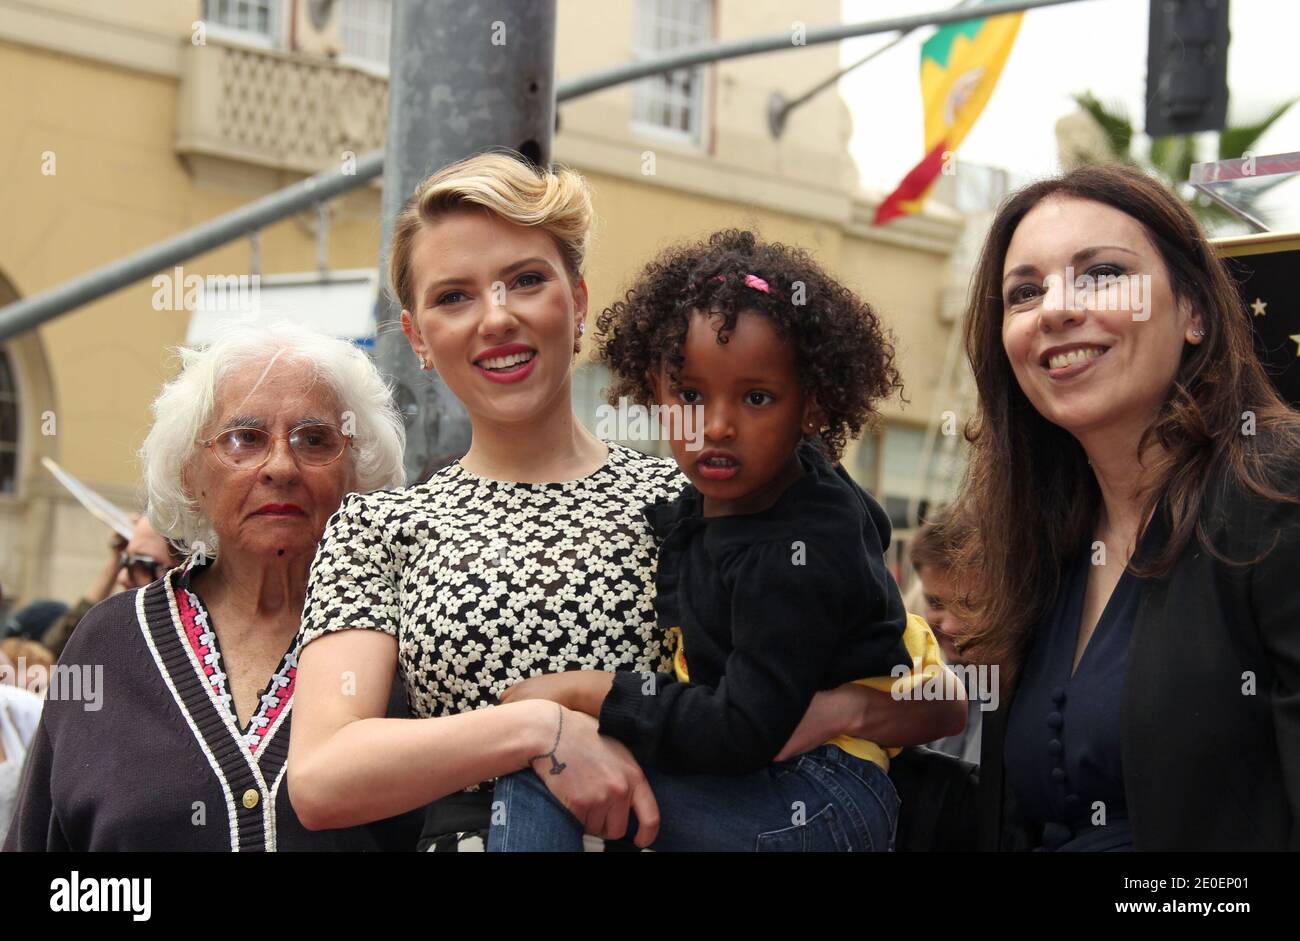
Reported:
(825, 800)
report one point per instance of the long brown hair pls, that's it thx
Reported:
(1028, 482)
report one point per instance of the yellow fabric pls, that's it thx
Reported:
(927, 663)
(679, 655)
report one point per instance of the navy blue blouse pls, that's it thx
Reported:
(1062, 753)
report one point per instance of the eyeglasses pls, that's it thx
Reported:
(316, 444)
(141, 569)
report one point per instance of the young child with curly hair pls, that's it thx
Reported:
(771, 568)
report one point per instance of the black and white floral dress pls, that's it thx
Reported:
(485, 582)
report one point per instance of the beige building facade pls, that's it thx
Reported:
(129, 122)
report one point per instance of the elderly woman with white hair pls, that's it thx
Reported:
(253, 447)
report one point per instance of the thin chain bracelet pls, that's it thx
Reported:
(556, 765)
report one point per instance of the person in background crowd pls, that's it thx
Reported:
(932, 552)
(247, 459)
(31, 663)
(20, 711)
(132, 563)
(32, 620)
(146, 555)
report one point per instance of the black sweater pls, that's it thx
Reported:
(773, 607)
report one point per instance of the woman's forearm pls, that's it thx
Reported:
(894, 723)
(375, 768)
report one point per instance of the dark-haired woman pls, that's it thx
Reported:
(1137, 480)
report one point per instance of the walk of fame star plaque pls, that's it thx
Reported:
(1264, 192)
(1267, 270)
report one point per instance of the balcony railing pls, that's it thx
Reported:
(272, 109)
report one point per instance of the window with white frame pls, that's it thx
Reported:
(866, 465)
(892, 466)
(365, 26)
(8, 425)
(889, 467)
(254, 20)
(671, 104)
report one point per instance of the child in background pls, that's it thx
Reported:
(771, 569)
(933, 552)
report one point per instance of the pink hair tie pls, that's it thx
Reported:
(752, 281)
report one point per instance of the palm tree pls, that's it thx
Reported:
(1103, 133)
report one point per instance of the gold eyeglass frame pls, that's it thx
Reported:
(348, 442)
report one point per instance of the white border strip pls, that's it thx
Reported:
(194, 729)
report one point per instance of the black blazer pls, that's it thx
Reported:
(1211, 712)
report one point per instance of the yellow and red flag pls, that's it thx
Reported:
(960, 66)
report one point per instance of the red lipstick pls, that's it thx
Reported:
(281, 509)
(524, 356)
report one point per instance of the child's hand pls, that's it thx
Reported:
(829, 714)
(579, 690)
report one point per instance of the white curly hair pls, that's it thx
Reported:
(186, 405)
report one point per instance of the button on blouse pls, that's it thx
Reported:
(1063, 733)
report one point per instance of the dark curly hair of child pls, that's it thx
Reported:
(844, 355)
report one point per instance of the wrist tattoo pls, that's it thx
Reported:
(556, 765)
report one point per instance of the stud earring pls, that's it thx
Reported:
(1198, 333)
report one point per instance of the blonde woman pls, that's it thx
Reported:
(530, 555)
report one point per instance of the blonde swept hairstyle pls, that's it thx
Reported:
(557, 201)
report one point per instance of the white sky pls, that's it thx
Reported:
(1090, 45)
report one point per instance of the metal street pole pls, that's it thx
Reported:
(465, 75)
